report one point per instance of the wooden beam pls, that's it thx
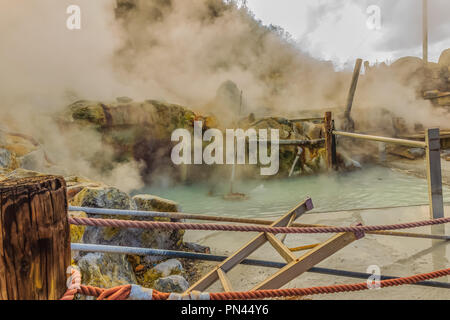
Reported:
(281, 248)
(34, 239)
(425, 31)
(235, 259)
(306, 262)
(224, 281)
(403, 142)
(350, 125)
(284, 236)
(434, 173)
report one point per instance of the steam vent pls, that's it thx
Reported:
(224, 150)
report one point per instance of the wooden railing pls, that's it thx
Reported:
(431, 145)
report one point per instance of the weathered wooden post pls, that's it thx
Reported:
(34, 238)
(333, 146)
(327, 125)
(349, 124)
(434, 173)
(330, 141)
(425, 31)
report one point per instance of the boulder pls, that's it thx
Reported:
(103, 197)
(148, 202)
(113, 198)
(88, 112)
(35, 160)
(171, 284)
(444, 59)
(77, 232)
(162, 239)
(105, 270)
(169, 267)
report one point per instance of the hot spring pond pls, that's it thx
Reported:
(368, 188)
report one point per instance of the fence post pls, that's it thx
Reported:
(333, 147)
(434, 173)
(328, 139)
(34, 239)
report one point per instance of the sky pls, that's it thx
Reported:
(337, 30)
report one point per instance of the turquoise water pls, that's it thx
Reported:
(369, 188)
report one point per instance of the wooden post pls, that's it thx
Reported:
(34, 239)
(425, 31)
(333, 146)
(327, 125)
(350, 125)
(434, 173)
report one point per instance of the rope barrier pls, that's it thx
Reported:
(222, 227)
(188, 216)
(219, 258)
(125, 292)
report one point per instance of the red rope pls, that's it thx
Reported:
(264, 294)
(222, 227)
(123, 292)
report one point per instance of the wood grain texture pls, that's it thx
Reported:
(34, 238)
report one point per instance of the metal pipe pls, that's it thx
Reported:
(218, 258)
(308, 119)
(293, 142)
(180, 216)
(409, 143)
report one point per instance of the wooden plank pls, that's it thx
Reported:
(281, 248)
(306, 262)
(211, 277)
(224, 281)
(434, 173)
(291, 221)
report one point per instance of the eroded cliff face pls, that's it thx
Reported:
(141, 131)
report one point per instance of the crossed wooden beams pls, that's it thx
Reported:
(295, 266)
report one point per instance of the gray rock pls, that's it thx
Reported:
(162, 239)
(417, 152)
(104, 197)
(169, 267)
(6, 158)
(171, 284)
(34, 160)
(112, 198)
(106, 270)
